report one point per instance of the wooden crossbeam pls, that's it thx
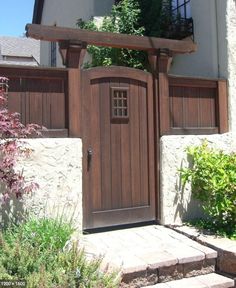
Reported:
(58, 34)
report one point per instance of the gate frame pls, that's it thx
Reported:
(73, 44)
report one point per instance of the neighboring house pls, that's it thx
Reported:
(19, 51)
(65, 14)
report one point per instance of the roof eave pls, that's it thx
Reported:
(38, 11)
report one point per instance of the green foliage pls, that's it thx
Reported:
(150, 17)
(34, 252)
(124, 18)
(213, 180)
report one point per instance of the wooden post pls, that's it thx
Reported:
(222, 106)
(160, 64)
(73, 53)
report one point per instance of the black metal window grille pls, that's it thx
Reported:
(181, 8)
(53, 54)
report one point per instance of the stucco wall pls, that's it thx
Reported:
(56, 165)
(177, 203)
(66, 13)
(231, 54)
(207, 17)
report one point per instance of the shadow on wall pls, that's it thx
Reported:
(12, 212)
(186, 209)
(102, 7)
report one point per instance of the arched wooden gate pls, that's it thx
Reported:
(120, 114)
(118, 147)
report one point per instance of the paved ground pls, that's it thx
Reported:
(149, 247)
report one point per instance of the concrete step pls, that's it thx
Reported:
(211, 280)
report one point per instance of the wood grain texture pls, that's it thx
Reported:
(122, 166)
(53, 33)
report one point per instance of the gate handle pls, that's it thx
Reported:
(89, 156)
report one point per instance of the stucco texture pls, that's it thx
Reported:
(231, 40)
(56, 165)
(176, 201)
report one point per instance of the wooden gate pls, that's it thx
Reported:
(118, 147)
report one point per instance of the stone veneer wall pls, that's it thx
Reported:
(177, 203)
(56, 165)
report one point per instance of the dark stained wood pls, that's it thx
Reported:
(163, 65)
(222, 106)
(198, 106)
(74, 97)
(39, 95)
(52, 33)
(121, 165)
(72, 53)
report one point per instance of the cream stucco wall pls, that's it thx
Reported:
(231, 55)
(56, 165)
(209, 32)
(177, 204)
(66, 13)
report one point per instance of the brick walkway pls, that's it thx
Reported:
(150, 254)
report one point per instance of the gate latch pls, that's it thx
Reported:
(89, 157)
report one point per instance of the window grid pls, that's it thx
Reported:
(181, 7)
(119, 103)
(53, 54)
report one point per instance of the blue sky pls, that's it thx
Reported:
(14, 15)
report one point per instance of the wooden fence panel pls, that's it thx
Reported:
(197, 106)
(40, 96)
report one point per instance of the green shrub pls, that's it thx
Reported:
(124, 19)
(213, 179)
(34, 252)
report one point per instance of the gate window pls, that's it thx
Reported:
(120, 103)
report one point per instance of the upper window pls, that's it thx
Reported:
(53, 54)
(181, 8)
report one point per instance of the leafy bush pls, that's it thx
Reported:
(213, 180)
(34, 252)
(12, 182)
(124, 19)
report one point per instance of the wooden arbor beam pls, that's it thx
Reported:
(57, 34)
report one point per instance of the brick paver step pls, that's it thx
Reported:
(212, 280)
(150, 254)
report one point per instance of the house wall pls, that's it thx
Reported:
(209, 17)
(56, 165)
(72, 11)
(231, 55)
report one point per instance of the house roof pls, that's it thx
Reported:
(38, 10)
(20, 47)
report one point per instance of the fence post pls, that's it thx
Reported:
(160, 63)
(73, 53)
(222, 106)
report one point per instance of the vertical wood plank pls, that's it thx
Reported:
(36, 108)
(207, 100)
(153, 153)
(135, 144)
(223, 106)
(105, 128)
(191, 107)
(74, 83)
(57, 109)
(95, 165)
(125, 157)
(116, 180)
(164, 105)
(143, 122)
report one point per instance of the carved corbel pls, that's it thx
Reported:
(72, 53)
